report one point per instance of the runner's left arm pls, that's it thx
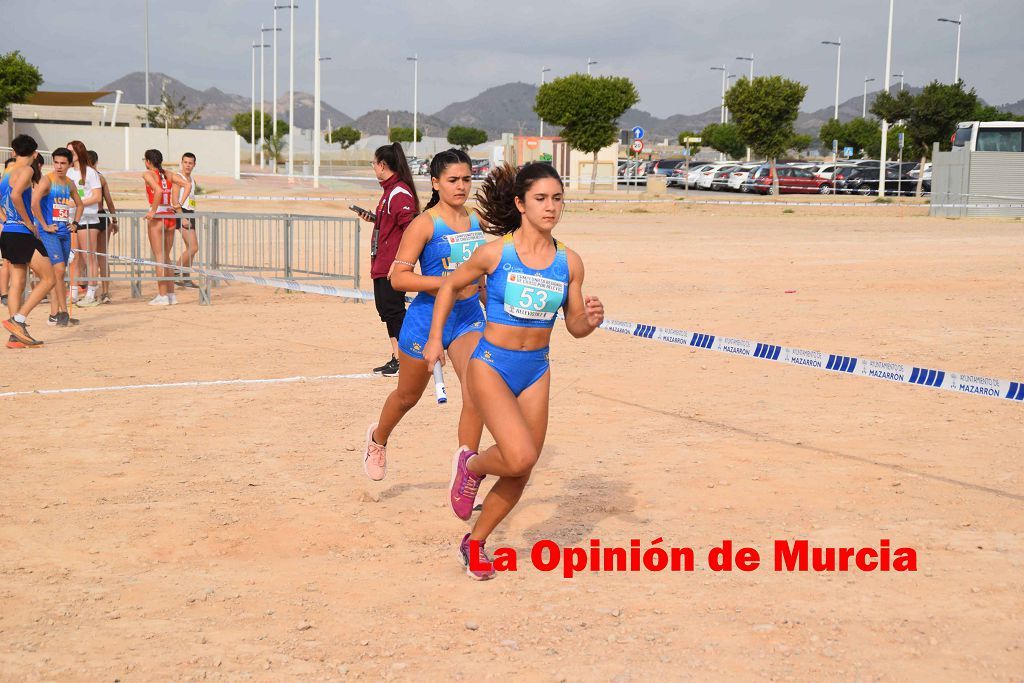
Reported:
(583, 314)
(41, 189)
(19, 183)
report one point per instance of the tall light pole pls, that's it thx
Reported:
(751, 60)
(724, 70)
(147, 55)
(316, 94)
(263, 97)
(291, 86)
(729, 85)
(864, 105)
(885, 124)
(590, 63)
(273, 89)
(543, 71)
(415, 59)
(839, 61)
(252, 111)
(959, 21)
(899, 76)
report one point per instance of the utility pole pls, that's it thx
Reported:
(415, 59)
(543, 71)
(864, 104)
(316, 95)
(885, 124)
(839, 61)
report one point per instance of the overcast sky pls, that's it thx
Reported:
(666, 47)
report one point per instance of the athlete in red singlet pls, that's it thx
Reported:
(161, 230)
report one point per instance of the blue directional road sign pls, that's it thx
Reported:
(638, 133)
(847, 152)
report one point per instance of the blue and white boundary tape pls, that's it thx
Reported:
(850, 365)
(818, 360)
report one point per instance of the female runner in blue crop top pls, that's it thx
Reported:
(530, 276)
(441, 238)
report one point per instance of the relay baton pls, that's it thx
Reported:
(439, 390)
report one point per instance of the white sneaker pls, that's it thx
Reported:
(160, 300)
(88, 301)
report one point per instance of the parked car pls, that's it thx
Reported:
(694, 173)
(664, 166)
(633, 172)
(720, 180)
(865, 182)
(739, 175)
(481, 168)
(791, 181)
(705, 177)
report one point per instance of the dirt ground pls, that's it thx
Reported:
(228, 532)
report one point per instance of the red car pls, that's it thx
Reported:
(791, 181)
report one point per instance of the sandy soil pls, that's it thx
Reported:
(228, 532)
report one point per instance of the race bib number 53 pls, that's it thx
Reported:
(533, 297)
(462, 245)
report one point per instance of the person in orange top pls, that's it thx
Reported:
(159, 192)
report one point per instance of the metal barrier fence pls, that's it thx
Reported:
(290, 246)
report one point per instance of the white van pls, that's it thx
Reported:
(989, 136)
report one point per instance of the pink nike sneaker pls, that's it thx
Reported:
(375, 457)
(484, 569)
(464, 484)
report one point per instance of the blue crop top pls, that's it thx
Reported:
(521, 296)
(448, 249)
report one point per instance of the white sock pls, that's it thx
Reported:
(19, 318)
(172, 298)
(90, 293)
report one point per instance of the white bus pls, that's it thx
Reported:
(989, 136)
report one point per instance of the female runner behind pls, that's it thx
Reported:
(530, 275)
(108, 228)
(159, 189)
(87, 237)
(441, 239)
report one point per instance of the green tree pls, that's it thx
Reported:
(931, 116)
(173, 113)
(986, 112)
(588, 109)
(688, 134)
(464, 137)
(864, 135)
(765, 110)
(241, 125)
(724, 137)
(404, 135)
(274, 144)
(346, 136)
(18, 81)
(801, 143)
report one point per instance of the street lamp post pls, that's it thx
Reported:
(839, 60)
(315, 141)
(291, 84)
(415, 59)
(590, 63)
(252, 111)
(729, 85)
(959, 24)
(864, 104)
(899, 76)
(885, 124)
(751, 60)
(147, 55)
(543, 71)
(273, 94)
(725, 71)
(262, 96)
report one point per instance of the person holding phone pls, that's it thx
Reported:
(397, 207)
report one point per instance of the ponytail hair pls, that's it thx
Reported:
(497, 195)
(440, 162)
(37, 169)
(78, 147)
(156, 160)
(393, 156)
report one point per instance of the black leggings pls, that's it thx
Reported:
(390, 305)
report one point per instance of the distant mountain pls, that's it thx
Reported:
(506, 108)
(1014, 107)
(376, 123)
(218, 106)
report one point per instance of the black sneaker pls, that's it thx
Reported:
(20, 332)
(188, 284)
(65, 320)
(3, 299)
(389, 369)
(53, 320)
